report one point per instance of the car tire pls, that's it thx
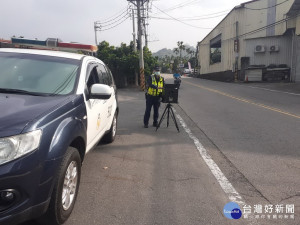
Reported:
(111, 135)
(65, 189)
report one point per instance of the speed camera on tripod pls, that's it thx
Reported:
(170, 93)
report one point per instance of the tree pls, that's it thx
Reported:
(181, 48)
(176, 51)
(124, 62)
(149, 62)
(190, 52)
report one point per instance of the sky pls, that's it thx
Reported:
(73, 20)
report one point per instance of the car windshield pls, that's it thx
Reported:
(37, 74)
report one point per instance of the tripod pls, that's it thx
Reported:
(168, 110)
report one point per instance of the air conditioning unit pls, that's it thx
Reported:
(259, 48)
(274, 48)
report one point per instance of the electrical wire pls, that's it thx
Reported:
(116, 24)
(181, 21)
(116, 15)
(116, 21)
(200, 17)
(181, 5)
(259, 29)
(115, 18)
(188, 3)
(191, 19)
(210, 14)
(268, 7)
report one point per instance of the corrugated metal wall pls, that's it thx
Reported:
(271, 17)
(298, 26)
(227, 29)
(249, 20)
(283, 56)
(297, 59)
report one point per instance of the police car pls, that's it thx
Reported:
(54, 108)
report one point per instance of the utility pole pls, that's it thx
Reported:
(97, 27)
(138, 4)
(133, 33)
(134, 47)
(236, 49)
(140, 33)
(145, 24)
(146, 35)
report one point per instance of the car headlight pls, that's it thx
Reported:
(16, 146)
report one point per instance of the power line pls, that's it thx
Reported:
(268, 7)
(210, 14)
(116, 21)
(181, 5)
(181, 21)
(118, 14)
(115, 18)
(116, 24)
(259, 29)
(191, 18)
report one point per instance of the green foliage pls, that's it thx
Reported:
(124, 62)
(149, 61)
(170, 64)
(193, 62)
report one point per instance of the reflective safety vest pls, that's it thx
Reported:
(160, 85)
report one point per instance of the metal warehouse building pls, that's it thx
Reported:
(257, 40)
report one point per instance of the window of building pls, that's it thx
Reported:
(215, 50)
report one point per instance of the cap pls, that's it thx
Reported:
(156, 68)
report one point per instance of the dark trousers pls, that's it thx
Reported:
(151, 101)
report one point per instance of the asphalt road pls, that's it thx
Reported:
(148, 177)
(257, 128)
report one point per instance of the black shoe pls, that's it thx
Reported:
(155, 124)
(146, 126)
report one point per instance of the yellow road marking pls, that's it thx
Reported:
(245, 100)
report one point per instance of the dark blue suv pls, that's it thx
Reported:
(54, 108)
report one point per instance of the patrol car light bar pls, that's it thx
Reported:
(50, 44)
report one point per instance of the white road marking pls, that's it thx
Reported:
(227, 187)
(266, 89)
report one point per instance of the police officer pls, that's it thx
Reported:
(155, 85)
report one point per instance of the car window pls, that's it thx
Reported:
(104, 76)
(111, 80)
(110, 76)
(38, 74)
(93, 77)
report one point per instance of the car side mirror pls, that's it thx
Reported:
(100, 91)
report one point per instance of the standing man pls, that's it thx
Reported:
(155, 85)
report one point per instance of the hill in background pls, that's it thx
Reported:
(169, 52)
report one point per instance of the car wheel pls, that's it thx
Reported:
(65, 189)
(111, 135)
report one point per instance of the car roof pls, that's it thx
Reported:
(43, 52)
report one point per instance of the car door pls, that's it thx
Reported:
(96, 108)
(105, 78)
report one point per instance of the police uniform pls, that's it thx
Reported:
(153, 95)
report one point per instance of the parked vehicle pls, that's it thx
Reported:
(186, 71)
(55, 107)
